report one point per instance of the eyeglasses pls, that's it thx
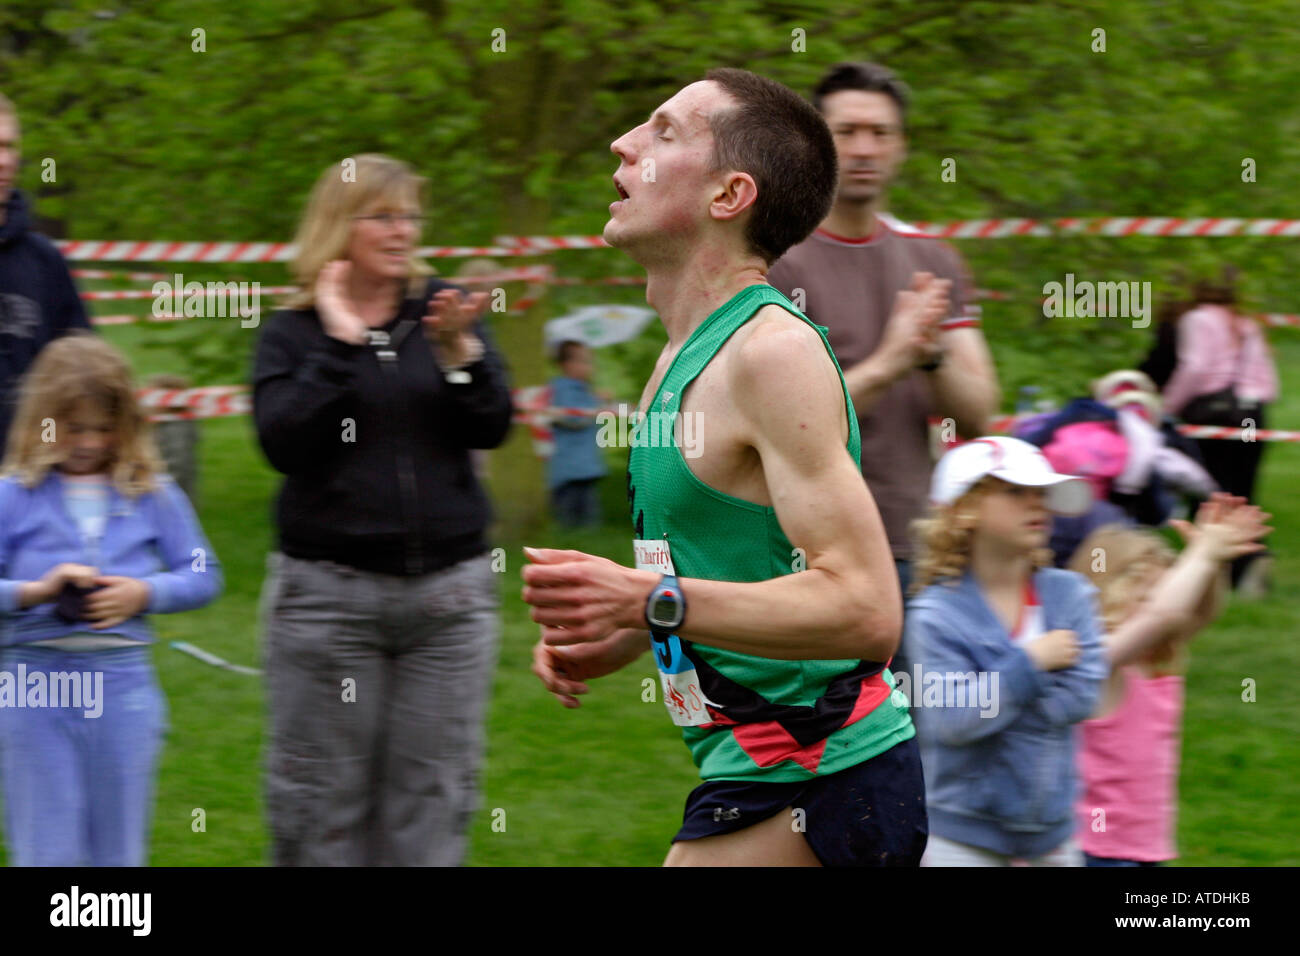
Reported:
(389, 218)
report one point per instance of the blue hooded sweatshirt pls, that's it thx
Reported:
(1002, 777)
(155, 538)
(38, 301)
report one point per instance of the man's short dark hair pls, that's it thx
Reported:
(564, 351)
(778, 138)
(867, 77)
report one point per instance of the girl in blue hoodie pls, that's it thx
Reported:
(1008, 657)
(92, 536)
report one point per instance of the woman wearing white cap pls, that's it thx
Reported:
(1008, 657)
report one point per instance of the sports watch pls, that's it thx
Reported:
(934, 363)
(665, 609)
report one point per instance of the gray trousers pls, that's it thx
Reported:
(378, 687)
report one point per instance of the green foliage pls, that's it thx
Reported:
(156, 140)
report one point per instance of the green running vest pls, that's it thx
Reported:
(759, 719)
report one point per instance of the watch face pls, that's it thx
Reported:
(665, 608)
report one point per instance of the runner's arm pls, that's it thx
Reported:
(564, 671)
(846, 604)
(787, 404)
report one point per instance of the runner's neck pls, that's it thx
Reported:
(687, 294)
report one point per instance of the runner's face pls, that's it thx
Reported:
(663, 179)
(90, 439)
(869, 142)
(382, 247)
(8, 156)
(1016, 516)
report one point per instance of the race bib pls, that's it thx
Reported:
(683, 695)
(653, 556)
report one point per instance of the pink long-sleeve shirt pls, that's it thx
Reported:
(1208, 358)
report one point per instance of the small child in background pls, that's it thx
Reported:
(1151, 606)
(1007, 658)
(92, 536)
(177, 438)
(576, 465)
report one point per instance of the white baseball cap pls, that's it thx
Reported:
(1014, 461)
(1129, 387)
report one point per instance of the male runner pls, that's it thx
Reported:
(775, 600)
(899, 371)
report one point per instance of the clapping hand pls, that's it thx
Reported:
(447, 324)
(1226, 526)
(336, 312)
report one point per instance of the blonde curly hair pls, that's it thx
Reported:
(943, 538)
(75, 368)
(1119, 560)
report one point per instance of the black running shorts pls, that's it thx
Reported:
(872, 814)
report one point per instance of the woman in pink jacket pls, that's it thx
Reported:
(1225, 376)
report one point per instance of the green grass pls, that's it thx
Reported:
(1241, 761)
(605, 784)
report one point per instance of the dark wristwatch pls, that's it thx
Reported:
(665, 609)
(934, 363)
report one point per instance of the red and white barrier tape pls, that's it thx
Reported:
(1164, 226)
(528, 402)
(212, 401)
(542, 273)
(131, 319)
(532, 412)
(115, 294)
(1002, 426)
(128, 250)
(600, 280)
(531, 245)
(129, 276)
(1214, 431)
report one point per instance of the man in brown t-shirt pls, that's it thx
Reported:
(900, 366)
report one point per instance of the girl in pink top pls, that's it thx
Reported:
(1151, 605)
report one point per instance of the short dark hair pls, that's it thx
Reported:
(778, 138)
(564, 351)
(867, 77)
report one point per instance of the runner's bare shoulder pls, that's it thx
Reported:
(780, 358)
(775, 345)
